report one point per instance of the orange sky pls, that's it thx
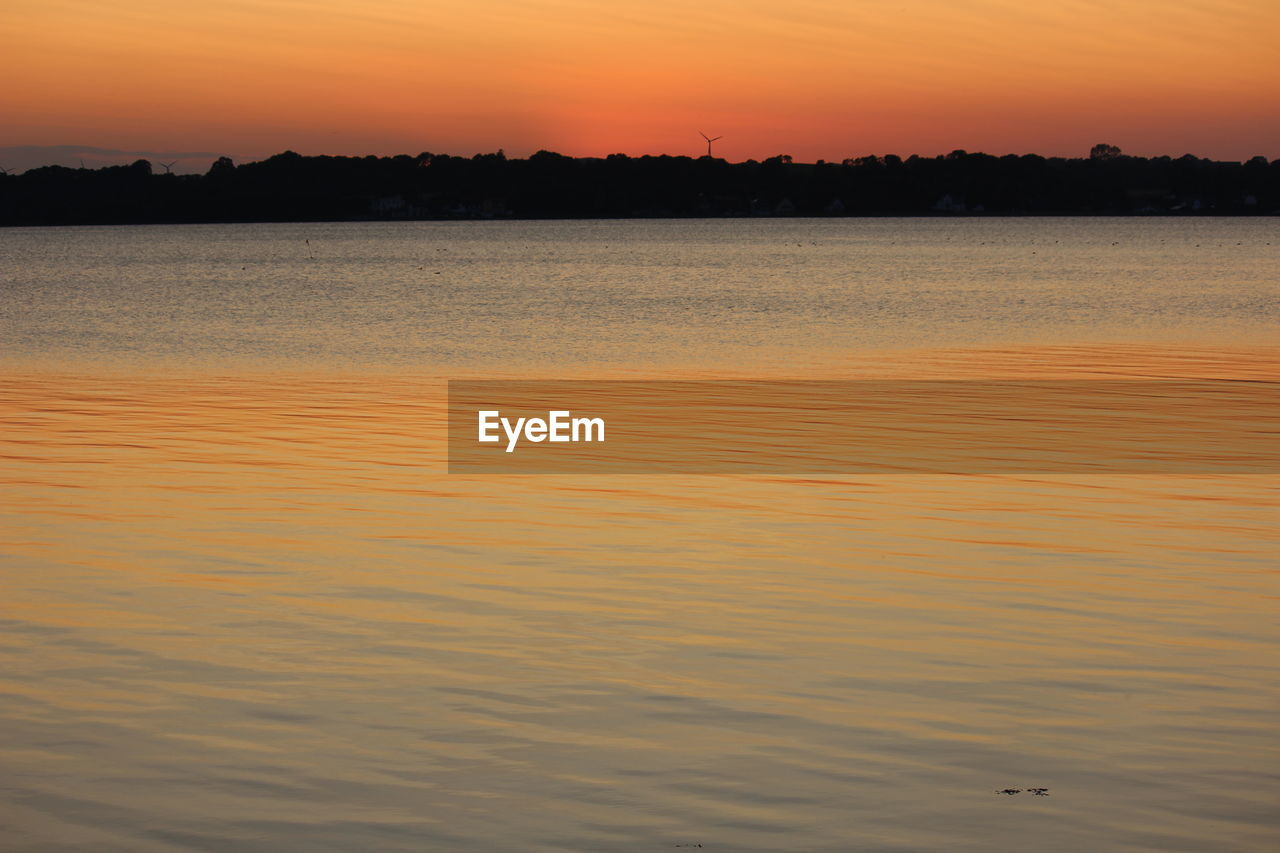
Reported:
(810, 78)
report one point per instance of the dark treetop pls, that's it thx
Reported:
(291, 187)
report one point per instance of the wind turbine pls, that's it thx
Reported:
(710, 139)
(167, 166)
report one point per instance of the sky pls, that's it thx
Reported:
(816, 79)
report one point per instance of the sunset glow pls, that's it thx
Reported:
(811, 78)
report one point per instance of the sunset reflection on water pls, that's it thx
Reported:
(261, 599)
(245, 606)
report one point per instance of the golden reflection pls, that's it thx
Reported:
(271, 577)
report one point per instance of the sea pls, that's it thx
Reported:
(245, 606)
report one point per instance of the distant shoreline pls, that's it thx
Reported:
(671, 218)
(429, 187)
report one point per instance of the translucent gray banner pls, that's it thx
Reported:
(863, 426)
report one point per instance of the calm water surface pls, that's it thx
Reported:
(245, 609)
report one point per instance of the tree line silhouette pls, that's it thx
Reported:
(292, 187)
